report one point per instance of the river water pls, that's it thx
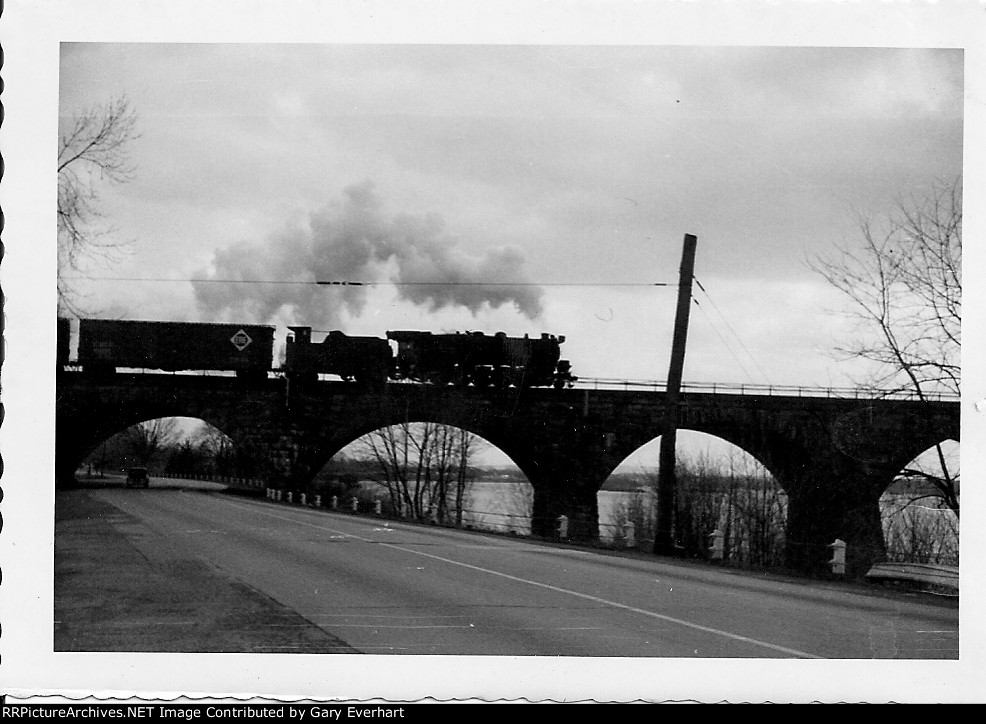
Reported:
(506, 507)
(916, 532)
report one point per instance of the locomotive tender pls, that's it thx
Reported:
(364, 359)
(470, 358)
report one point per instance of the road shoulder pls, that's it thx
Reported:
(110, 597)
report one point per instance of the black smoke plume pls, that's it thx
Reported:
(353, 240)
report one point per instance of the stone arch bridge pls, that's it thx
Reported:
(834, 457)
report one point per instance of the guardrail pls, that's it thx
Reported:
(926, 573)
(738, 388)
(231, 480)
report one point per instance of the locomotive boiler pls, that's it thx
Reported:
(475, 358)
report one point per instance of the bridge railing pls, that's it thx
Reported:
(739, 388)
(724, 388)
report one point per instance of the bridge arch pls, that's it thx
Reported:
(336, 439)
(720, 486)
(921, 454)
(695, 442)
(919, 509)
(109, 428)
(163, 444)
(441, 478)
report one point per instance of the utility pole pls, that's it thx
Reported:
(664, 543)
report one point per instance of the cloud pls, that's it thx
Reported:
(353, 240)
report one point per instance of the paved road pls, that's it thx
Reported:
(386, 587)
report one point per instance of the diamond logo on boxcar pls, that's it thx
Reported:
(241, 340)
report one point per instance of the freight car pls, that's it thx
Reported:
(105, 345)
(367, 360)
(63, 340)
(480, 359)
(470, 358)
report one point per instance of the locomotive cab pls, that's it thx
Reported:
(300, 335)
(297, 363)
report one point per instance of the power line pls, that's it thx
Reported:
(491, 284)
(722, 339)
(733, 331)
(352, 283)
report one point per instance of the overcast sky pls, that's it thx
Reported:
(555, 166)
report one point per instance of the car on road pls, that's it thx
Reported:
(136, 478)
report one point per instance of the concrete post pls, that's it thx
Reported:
(355, 504)
(563, 526)
(629, 534)
(334, 502)
(280, 494)
(318, 501)
(290, 496)
(304, 499)
(377, 506)
(838, 561)
(716, 545)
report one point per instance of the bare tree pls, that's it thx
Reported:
(701, 495)
(93, 149)
(185, 458)
(919, 533)
(732, 494)
(637, 507)
(903, 280)
(424, 467)
(217, 447)
(146, 439)
(449, 459)
(755, 514)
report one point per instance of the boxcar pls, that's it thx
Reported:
(63, 339)
(105, 345)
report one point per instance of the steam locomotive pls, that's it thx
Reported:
(469, 358)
